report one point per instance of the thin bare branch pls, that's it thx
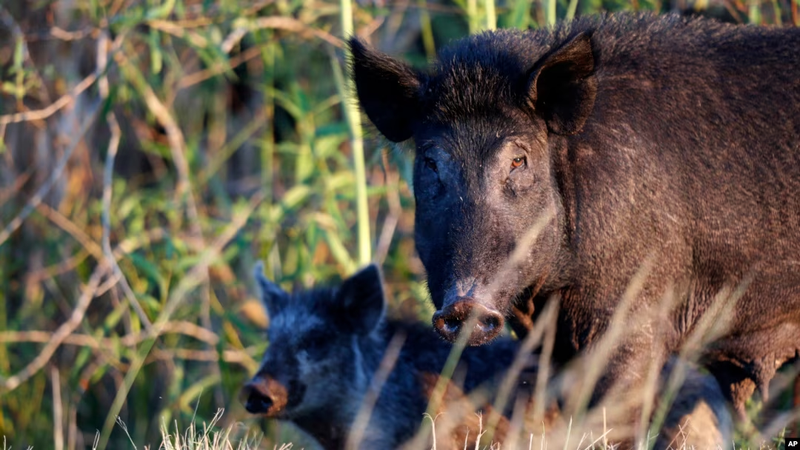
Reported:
(15, 187)
(177, 143)
(70, 227)
(229, 356)
(130, 340)
(218, 68)
(279, 23)
(180, 30)
(392, 182)
(41, 114)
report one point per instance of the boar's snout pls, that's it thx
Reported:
(452, 318)
(264, 396)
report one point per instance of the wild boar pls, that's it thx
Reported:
(559, 162)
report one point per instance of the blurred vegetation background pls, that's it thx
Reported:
(152, 150)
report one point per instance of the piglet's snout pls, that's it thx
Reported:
(264, 395)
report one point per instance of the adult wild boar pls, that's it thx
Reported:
(556, 162)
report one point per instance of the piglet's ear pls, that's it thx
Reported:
(272, 296)
(562, 86)
(362, 301)
(388, 91)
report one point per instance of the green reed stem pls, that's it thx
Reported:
(472, 16)
(491, 15)
(426, 29)
(357, 146)
(571, 9)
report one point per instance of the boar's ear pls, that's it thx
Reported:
(272, 296)
(562, 87)
(388, 90)
(361, 299)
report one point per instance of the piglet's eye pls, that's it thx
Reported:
(519, 162)
(431, 164)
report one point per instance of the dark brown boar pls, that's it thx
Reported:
(557, 162)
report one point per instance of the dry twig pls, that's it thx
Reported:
(130, 340)
(279, 23)
(41, 114)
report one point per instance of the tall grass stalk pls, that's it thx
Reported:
(571, 9)
(472, 16)
(356, 145)
(437, 395)
(551, 12)
(520, 14)
(754, 11)
(491, 15)
(426, 28)
(268, 140)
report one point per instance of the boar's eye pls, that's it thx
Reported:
(316, 345)
(519, 162)
(430, 164)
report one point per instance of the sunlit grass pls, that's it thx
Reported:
(209, 437)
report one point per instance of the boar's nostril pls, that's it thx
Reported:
(489, 322)
(257, 396)
(257, 403)
(450, 320)
(451, 325)
(265, 395)
(447, 324)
